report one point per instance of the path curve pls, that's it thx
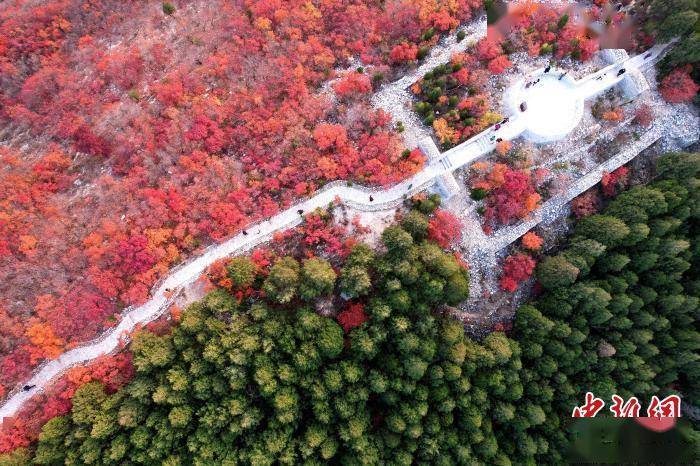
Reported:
(181, 276)
(356, 197)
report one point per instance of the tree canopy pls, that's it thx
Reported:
(269, 381)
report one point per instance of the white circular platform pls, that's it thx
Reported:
(554, 107)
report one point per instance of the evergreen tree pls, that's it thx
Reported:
(317, 279)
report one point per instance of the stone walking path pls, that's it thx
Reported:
(356, 197)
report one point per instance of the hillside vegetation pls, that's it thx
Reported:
(392, 379)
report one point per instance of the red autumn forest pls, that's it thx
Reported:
(136, 137)
(136, 134)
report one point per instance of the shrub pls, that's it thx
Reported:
(644, 115)
(477, 194)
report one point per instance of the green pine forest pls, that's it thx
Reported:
(272, 382)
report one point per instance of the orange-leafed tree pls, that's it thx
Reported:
(45, 343)
(531, 241)
(503, 147)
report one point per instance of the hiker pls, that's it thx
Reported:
(527, 86)
(562, 75)
(371, 199)
(300, 211)
(621, 72)
(26, 388)
(646, 57)
(505, 120)
(523, 107)
(499, 140)
(497, 127)
(245, 233)
(546, 70)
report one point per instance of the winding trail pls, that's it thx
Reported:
(340, 191)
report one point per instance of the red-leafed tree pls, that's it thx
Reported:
(404, 52)
(462, 76)
(499, 64)
(51, 171)
(516, 269)
(586, 204)
(443, 20)
(132, 256)
(352, 317)
(329, 136)
(444, 228)
(487, 49)
(353, 85)
(678, 86)
(512, 194)
(644, 115)
(611, 182)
